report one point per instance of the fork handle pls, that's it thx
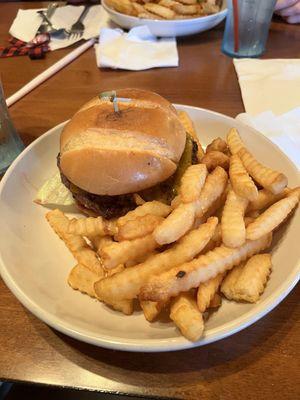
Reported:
(84, 12)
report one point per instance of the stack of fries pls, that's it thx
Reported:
(215, 231)
(166, 9)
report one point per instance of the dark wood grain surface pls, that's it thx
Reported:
(261, 362)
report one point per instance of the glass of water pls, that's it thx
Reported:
(10, 143)
(247, 27)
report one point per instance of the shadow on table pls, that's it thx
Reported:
(207, 363)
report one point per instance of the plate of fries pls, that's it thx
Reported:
(162, 277)
(166, 18)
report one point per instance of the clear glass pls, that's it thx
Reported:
(254, 17)
(10, 143)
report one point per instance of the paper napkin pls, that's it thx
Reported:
(27, 23)
(136, 50)
(269, 84)
(283, 130)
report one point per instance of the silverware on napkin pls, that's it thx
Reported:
(43, 28)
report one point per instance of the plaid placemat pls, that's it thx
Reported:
(35, 49)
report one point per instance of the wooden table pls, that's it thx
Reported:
(257, 363)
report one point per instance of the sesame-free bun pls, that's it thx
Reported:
(109, 153)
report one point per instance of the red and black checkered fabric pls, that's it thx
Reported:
(20, 48)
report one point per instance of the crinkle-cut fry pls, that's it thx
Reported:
(265, 199)
(98, 242)
(128, 250)
(83, 279)
(240, 180)
(139, 227)
(186, 316)
(249, 281)
(270, 179)
(80, 249)
(168, 3)
(215, 184)
(190, 129)
(186, 9)
(215, 240)
(192, 182)
(227, 286)
(176, 202)
(253, 278)
(138, 8)
(138, 199)
(272, 216)
(150, 207)
(216, 210)
(111, 272)
(87, 226)
(216, 301)
(189, 275)
(234, 141)
(176, 224)
(148, 15)
(217, 144)
(127, 284)
(161, 11)
(232, 222)
(122, 6)
(151, 309)
(207, 290)
(215, 158)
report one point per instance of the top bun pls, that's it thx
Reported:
(112, 153)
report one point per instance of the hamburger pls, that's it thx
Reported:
(116, 147)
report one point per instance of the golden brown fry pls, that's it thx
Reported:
(83, 279)
(138, 199)
(186, 316)
(127, 284)
(215, 158)
(176, 224)
(273, 216)
(216, 301)
(272, 180)
(128, 250)
(207, 290)
(218, 144)
(190, 129)
(240, 180)
(161, 11)
(176, 202)
(138, 8)
(87, 226)
(148, 15)
(139, 227)
(213, 189)
(151, 309)
(186, 9)
(191, 274)
(265, 199)
(82, 252)
(122, 6)
(168, 3)
(232, 222)
(253, 215)
(98, 242)
(248, 281)
(150, 207)
(234, 141)
(192, 182)
(188, 2)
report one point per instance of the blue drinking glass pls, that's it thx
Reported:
(254, 18)
(10, 142)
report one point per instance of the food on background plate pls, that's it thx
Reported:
(166, 9)
(177, 254)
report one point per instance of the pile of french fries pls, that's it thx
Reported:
(183, 258)
(166, 9)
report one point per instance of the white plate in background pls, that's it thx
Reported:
(168, 28)
(35, 263)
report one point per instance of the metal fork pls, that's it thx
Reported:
(77, 28)
(60, 33)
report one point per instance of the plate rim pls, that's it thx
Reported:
(149, 345)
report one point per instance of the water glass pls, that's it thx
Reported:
(246, 32)
(10, 143)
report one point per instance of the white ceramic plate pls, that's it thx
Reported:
(35, 264)
(168, 28)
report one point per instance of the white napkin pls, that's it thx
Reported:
(27, 23)
(283, 130)
(136, 50)
(269, 84)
